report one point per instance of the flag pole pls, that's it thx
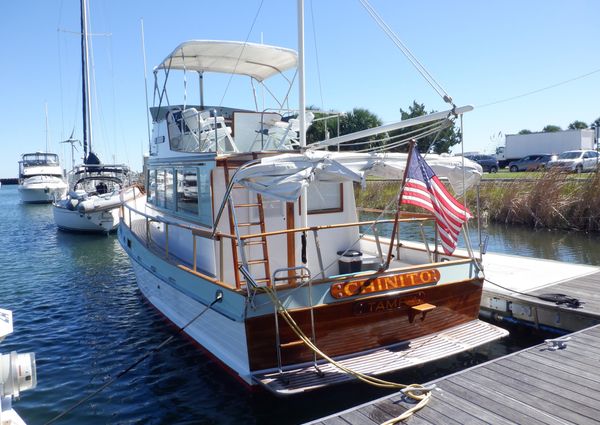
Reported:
(411, 147)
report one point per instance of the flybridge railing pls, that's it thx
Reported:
(141, 223)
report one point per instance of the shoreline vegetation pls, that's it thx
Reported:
(546, 199)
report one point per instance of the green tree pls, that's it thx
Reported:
(525, 131)
(439, 142)
(596, 123)
(551, 128)
(577, 125)
(350, 122)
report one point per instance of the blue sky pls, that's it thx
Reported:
(480, 52)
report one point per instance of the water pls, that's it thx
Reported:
(76, 305)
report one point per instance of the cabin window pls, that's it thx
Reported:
(169, 192)
(204, 194)
(151, 190)
(325, 197)
(187, 191)
(160, 188)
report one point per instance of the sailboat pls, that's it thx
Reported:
(41, 178)
(97, 190)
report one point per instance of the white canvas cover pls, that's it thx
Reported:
(259, 61)
(283, 176)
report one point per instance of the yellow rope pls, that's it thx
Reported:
(423, 396)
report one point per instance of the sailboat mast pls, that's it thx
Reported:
(85, 86)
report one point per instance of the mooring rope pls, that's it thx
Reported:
(555, 298)
(218, 298)
(417, 392)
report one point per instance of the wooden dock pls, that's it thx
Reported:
(512, 282)
(535, 386)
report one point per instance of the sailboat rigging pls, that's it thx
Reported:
(97, 190)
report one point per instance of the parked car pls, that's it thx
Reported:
(487, 162)
(577, 161)
(531, 162)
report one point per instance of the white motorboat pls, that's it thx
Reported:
(41, 178)
(17, 374)
(251, 242)
(97, 190)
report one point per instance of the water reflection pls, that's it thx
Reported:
(560, 245)
(573, 247)
(76, 305)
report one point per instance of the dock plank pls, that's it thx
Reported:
(463, 408)
(569, 378)
(580, 354)
(545, 398)
(565, 367)
(513, 284)
(536, 386)
(486, 398)
(576, 400)
(334, 420)
(357, 417)
(395, 406)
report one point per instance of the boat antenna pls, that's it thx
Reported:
(145, 83)
(302, 106)
(46, 110)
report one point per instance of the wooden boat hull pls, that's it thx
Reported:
(364, 323)
(243, 338)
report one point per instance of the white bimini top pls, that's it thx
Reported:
(258, 61)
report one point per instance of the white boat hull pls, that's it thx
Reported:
(224, 337)
(104, 221)
(42, 191)
(97, 214)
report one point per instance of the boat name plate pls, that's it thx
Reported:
(388, 304)
(384, 283)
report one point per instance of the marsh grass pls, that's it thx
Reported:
(552, 199)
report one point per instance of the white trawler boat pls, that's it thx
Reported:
(97, 190)
(278, 272)
(41, 178)
(17, 374)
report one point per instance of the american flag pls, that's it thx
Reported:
(422, 188)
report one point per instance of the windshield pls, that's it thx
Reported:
(40, 159)
(569, 155)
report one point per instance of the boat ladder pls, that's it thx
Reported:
(301, 277)
(240, 256)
